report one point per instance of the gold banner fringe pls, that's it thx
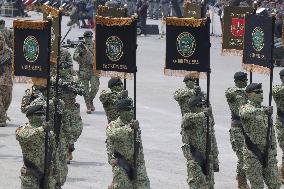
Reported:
(189, 22)
(183, 73)
(121, 75)
(107, 21)
(50, 10)
(231, 52)
(53, 58)
(39, 81)
(30, 24)
(256, 68)
(22, 79)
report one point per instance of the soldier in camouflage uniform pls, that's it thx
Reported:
(110, 96)
(69, 88)
(194, 125)
(254, 119)
(120, 149)
(8, 34)
(278, 95)
(84, 56)
(236, 97)
(31, 137)
(6, 83)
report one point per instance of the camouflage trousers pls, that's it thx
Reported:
(122, 181)
(91, 85)
(31, 182)
(61, 162)
(237, 141)
(196, 178)
(255, 172)
(5, 101)
(72, 123)
(280, 136)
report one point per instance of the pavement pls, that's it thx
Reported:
(157, 112)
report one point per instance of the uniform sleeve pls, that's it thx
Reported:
(190, 119)
(229, 95)
(119, 132)
(247, 112)
(104, 96)
(76, 55)
(26, 134)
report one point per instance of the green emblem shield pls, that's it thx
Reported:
(114, 48)
(186, 44)
(258, 39)
(31, 49)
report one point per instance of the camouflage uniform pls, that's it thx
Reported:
(69, 88)
(110, 96)
(83, 55)
(278, 95)
(31, 137)
(254, 118)
(120, 136)
(236, 97)
(194, 125)
(6, 83)
(8, 34)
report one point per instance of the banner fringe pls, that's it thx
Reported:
(121, 75)
(183, 73)
(107, 21)
(256, 68)
(231, 52)
(22, 79)
(189, 22)
(30, 24)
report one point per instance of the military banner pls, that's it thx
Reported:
(187, 46)
(56, 21)
(258, 43)
(193, 10)
(116, 46)
(112, 12)
(234, 29)
(31, 47)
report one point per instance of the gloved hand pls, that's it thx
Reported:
(46, 126)
(134, 124)
(268, 110)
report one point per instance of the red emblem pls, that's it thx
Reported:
(238, 27)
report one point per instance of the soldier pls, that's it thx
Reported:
(6, 83)
(184, 94)
(69, 88)
(236, 97)
(112, 4)
(120, 149)
(278, 95)
(8, 34)
(194, 125)
(254, 119)
(165, 6)
(109, 98)
(31, 137)
(84, 56)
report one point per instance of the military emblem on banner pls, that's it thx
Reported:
(234, 29)
(193, 10)
(56, 22)
(187, 46)
(116, 46)
(258, 37)
(30, 48)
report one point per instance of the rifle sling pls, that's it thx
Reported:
(123, 163)
(34, 170)
(199, 158)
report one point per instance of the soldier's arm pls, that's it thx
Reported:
(247, 112)
(105, 96)
(277, 91)
(28, 135)
(26, 100)
(118, 133)
(229, 95)
(189, 119)
(77, 54)
(181, 94)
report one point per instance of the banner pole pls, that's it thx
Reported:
(45, 180)
(270, 124)
(254, 5)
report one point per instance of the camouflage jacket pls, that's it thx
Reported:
(32, 142)
(194, 129)
(278, 96)
(120, 138)
(6, 67)
(236, 97)
(255, 123)
(83, 56)
(9, 37)
(182, 96)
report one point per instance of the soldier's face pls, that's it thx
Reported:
(282, 79)
(88, 39)
(118, 88)
(257, 96)
(2, 26)
(242, 84)
(127, 115)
